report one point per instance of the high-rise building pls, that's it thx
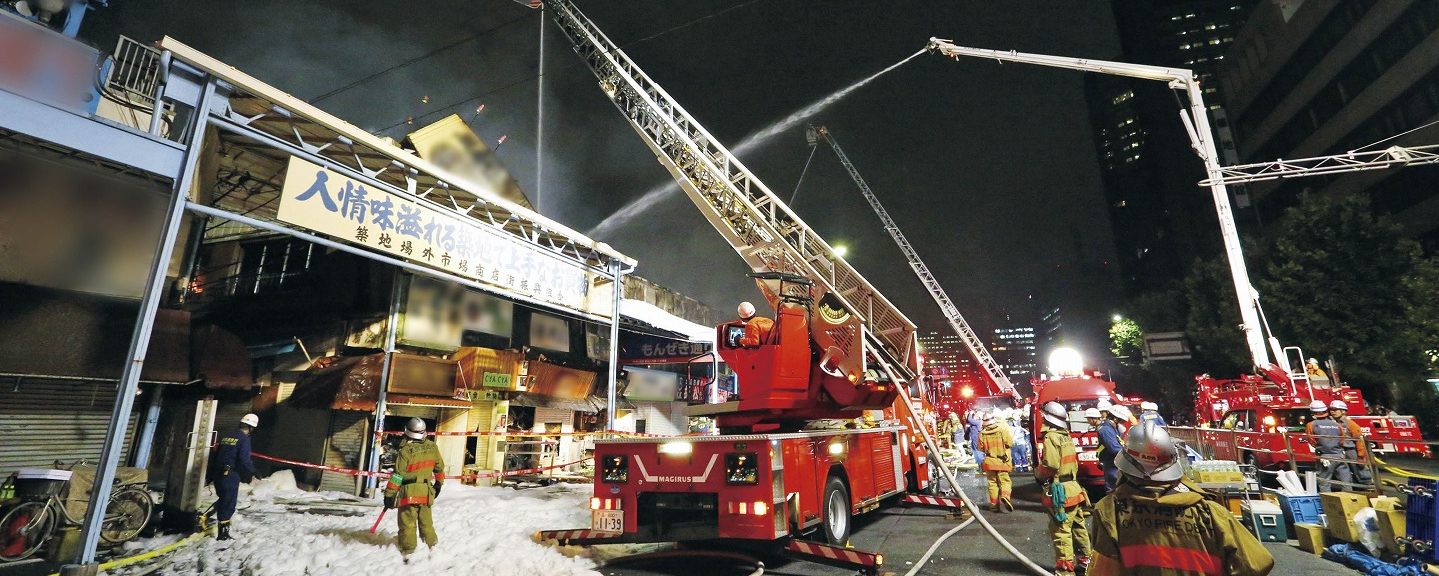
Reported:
(1162, 220)
(950, 364)
(1317, 78)
(1016, 350)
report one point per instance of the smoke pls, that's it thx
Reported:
(658, 193)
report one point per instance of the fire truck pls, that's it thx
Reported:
(823, 427)
(1248, 418)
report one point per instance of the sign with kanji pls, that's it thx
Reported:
(331, 203)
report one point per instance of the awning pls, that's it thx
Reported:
(620, 401)
(542, 401)
(340, 383)
(657, 317)
(418, 400)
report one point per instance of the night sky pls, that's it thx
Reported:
(990, 169)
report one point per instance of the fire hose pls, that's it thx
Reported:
(953, 482)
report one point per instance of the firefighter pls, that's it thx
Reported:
(1149, 412)
(1058, 472)
(1020, 452)
(1093, 417)
(1352, 442)
(1325, 435)
(1154, 524)
(1316, 374)
(232, 465)
(995, 442)
(756, 328)
(414, 485)
(1111, 444)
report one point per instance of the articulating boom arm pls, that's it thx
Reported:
(1196, 122)
(752, 219)
(1352, 161)
(951, 312)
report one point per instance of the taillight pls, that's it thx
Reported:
(615, 469)
(760, 508)
(741, 468)
(598, 503)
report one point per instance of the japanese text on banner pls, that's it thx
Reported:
(328, 202)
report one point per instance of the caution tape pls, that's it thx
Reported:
(539, 434)
(1400, 471)
(383, 475)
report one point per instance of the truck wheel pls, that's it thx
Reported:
(836, 511)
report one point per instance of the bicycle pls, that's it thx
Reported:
(26, 528)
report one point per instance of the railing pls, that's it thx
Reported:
(136, 72)
(1227, 444)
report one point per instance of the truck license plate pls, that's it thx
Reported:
(607, 520)
(1088, 456)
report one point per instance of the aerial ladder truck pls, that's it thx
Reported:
(1282, 386)
(838, 350)
(999, 382)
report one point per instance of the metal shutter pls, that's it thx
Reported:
(482, 419)
(347, 442)
(42, 421)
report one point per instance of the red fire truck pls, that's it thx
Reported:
(1247, 419)
(1076, 393)
(822, 427)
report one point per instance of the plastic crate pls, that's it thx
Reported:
(1421, 522)
(1302, 509)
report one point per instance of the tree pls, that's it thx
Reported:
(1125, 340)
(1340, 281)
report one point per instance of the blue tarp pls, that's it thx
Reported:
(1355, 557)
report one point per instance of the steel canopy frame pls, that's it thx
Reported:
(288, 126)
(1352, 161)
(1196, 122)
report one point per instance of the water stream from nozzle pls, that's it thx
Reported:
(648, 200)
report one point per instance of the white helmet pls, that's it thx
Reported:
(250, 420)
(1318, 406)
(415, 429)
(1092, 413)
(1121, 412)
(1055, 415)
(1339, 405)
(1150, 454)
(1104, 404)
(988, 416)
(1148, 406)
(746, 310)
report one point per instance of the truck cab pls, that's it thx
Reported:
(1076, 394)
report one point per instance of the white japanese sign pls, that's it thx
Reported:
(330, 203)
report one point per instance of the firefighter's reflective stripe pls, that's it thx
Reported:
(415, 501)
(420, 465)
(1171, 558)
(1070, 458)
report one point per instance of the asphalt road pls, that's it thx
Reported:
(904, 534)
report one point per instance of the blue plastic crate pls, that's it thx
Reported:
(1421, 522)
(1302, 509)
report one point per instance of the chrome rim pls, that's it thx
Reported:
(838, 516)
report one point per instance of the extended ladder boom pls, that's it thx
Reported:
(956, 321)
(855, 317)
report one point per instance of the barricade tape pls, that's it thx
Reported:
(383, 475)
(1400, 471)
(535, 434)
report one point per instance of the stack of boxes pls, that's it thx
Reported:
(1340, 509)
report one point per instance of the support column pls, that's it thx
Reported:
(392, 327)
(145, 440)
(540, 120)
(144, 327)
(617, 273)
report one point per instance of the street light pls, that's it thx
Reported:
(1117, 317)
(840, 250)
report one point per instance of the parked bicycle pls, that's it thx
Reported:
(27, 526)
